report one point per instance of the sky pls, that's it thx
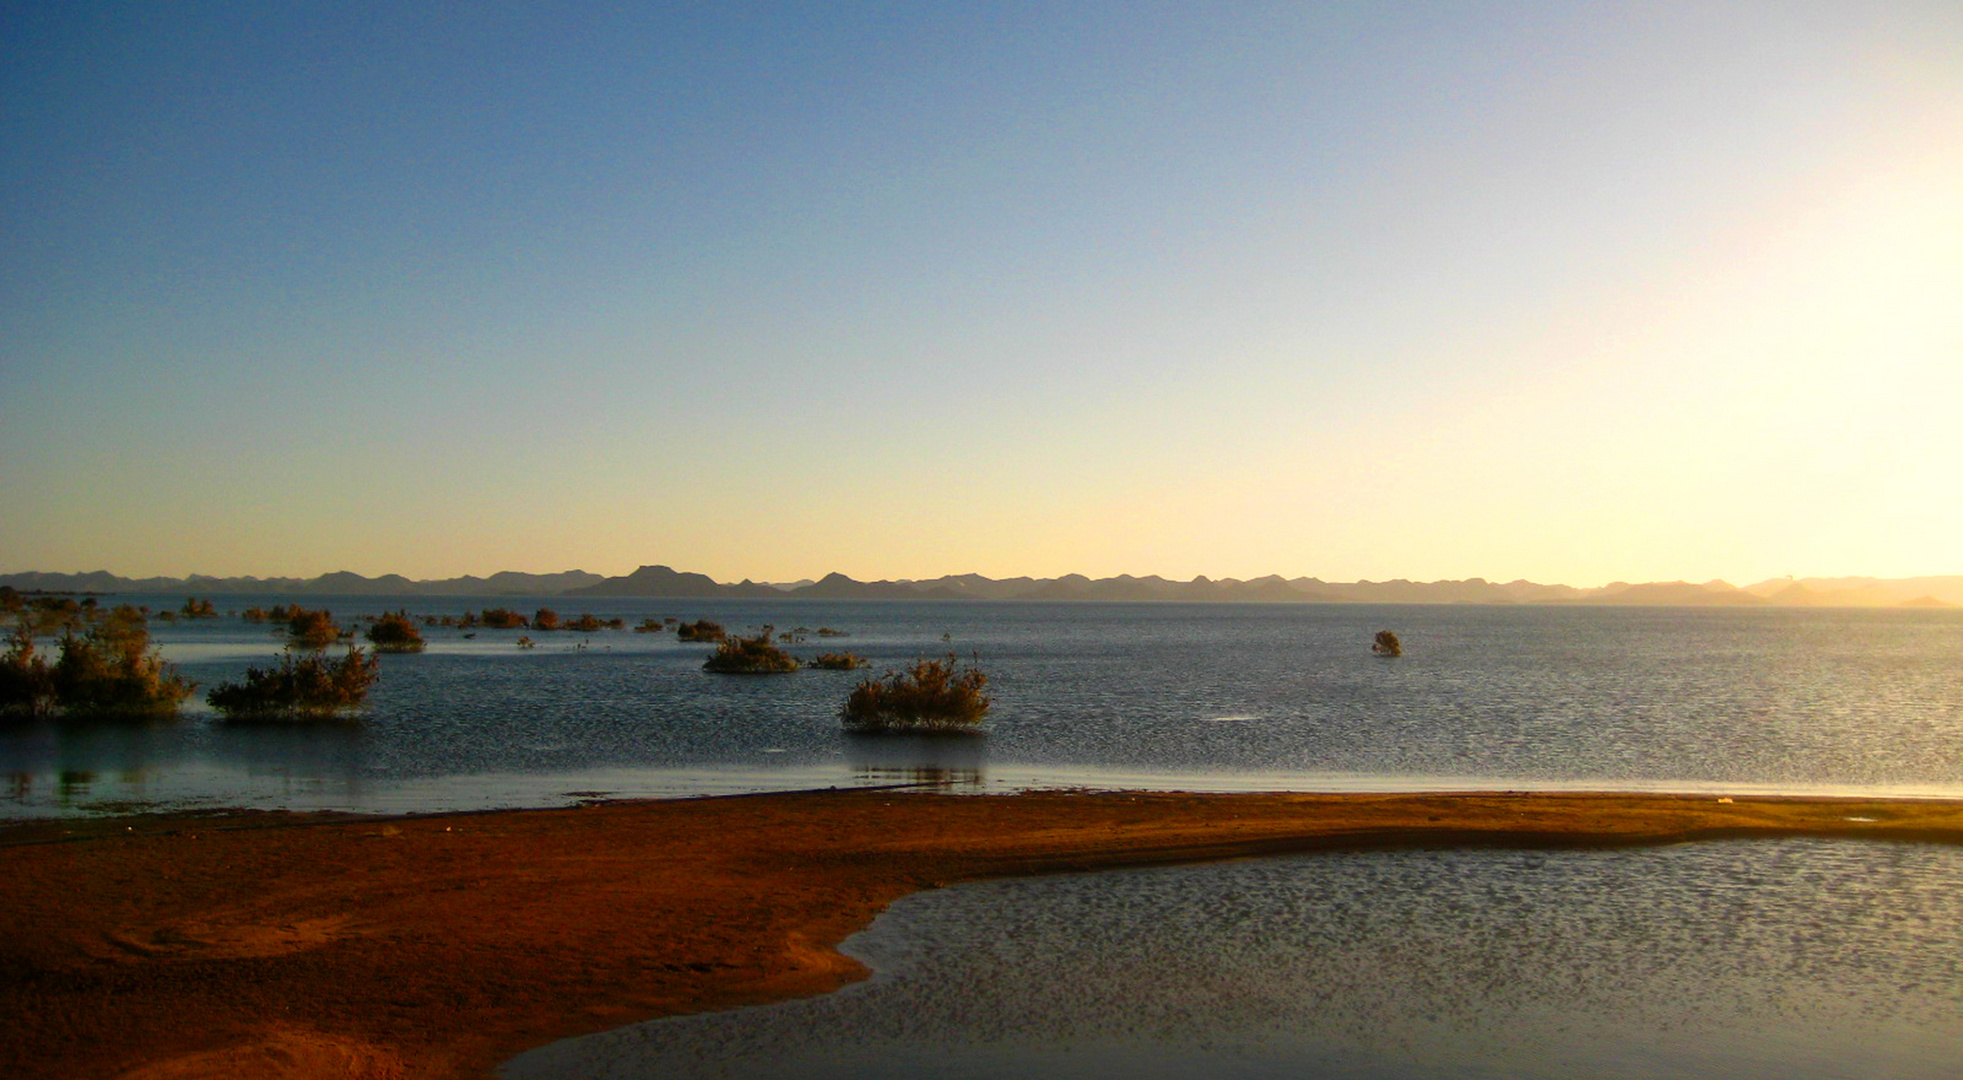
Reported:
(1569, 292)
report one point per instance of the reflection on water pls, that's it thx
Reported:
(947, 760)
(1793, 958)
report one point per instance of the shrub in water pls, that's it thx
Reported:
(839, 661)
(27, 686)
(934, 695)
(312, 629)
(749, 656)
(395, 633)
(502, 619)
(303, 687)
(699, 630)
(109, 671)
(1387, 644)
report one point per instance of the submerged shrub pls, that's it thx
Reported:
(309, 686)
(699, 630)
(395, 633)
(839, 661)
(649, 625)
(53, 614)
(545, 619)
(502, 619)
(195, 608)
(311, 629)
(749, 656)
(27, 686)
(933, 695)
(109, 671)
(1387, 644)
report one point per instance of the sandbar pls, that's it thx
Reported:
(259, 945)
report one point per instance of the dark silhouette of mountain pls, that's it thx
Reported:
(836, 586)
(516, 584)
(665, 582)
(343, 583)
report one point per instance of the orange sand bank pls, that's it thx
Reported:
(279, 945)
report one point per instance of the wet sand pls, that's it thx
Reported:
(301, 946)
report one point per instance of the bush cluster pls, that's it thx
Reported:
(395, 633)
(749, 656)
(108, 671)
(699, 630)
(502, 619)
(839, 661)
(933, 695)
(309, 686)
(309, 629)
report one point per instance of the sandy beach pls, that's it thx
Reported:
(280, 945)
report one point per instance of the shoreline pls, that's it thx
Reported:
(266, 943)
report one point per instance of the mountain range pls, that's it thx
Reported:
(664, 582)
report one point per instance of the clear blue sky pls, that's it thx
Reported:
(1572, 292)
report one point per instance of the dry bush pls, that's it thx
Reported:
(749, 656)
(933, 695)
(308, 686)
(394, 632)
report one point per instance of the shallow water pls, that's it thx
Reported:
(1748, 959)
(1133, 695)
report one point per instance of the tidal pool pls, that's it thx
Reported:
(1791, 958)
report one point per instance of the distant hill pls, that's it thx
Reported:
(340, 583)
(1860, 591)
(656, 581)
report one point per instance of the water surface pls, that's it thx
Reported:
(1183, 696)
(1747, 959)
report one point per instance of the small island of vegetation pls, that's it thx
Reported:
(838, 661)
(738, 655)
(108, 671)
(931, 696)
(310, 686)
(394, 632)
(699, 630)
(501, 619)
(309, 629)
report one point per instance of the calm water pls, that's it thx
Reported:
(1165, 696)
(1790, 958)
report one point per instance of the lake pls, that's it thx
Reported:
(1163, 696)
(1792, 958)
